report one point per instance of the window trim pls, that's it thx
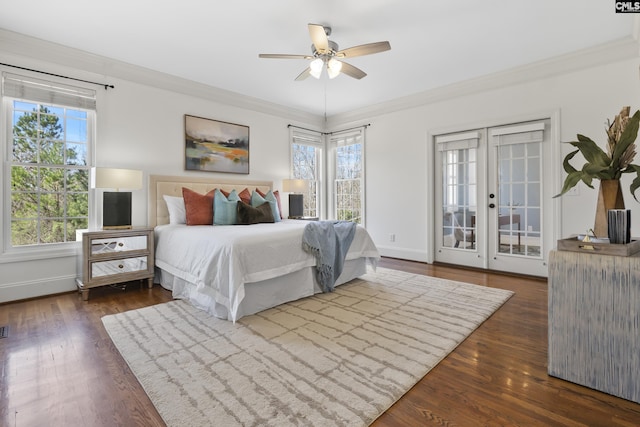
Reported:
(333, 142)
(9, 253)
(314, 139)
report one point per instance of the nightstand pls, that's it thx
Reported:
(115, 256)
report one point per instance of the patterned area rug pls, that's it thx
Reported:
(336, 359)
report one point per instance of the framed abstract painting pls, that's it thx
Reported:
(215, 146)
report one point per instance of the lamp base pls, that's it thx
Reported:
(116, 210)
(117, 227)
(296, 206)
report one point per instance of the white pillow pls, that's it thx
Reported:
(177, 212)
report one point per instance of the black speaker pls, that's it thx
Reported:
(116, 210)
(296, 205)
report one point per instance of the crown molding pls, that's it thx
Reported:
(619, 50)
(31, 50)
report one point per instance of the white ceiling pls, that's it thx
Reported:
(434, 43)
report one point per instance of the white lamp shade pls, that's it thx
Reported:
(117, 179)
(316, 67)
(333, 68)
(295, 185)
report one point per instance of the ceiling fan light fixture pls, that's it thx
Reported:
(333, 68)
(316, 67)
(326, 52)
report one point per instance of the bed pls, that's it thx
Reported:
(232, 271)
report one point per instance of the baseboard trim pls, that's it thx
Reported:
(403, 253)
(36, 288)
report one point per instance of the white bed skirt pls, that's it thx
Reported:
(260, 295)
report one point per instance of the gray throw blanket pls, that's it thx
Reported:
(329, 242)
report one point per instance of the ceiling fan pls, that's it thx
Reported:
(325, 52)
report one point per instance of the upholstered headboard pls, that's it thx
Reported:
(159, 185)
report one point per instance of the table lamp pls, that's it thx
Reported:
(116, 205)
(295, 188)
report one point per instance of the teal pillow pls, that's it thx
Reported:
(257, 200)
(224, 208)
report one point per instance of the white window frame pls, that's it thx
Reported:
(340, 139)
(49, 93)
(312, 139)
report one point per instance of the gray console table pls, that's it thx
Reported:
(594, 321)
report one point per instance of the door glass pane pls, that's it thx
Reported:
(459, 199)
(518, 170)
(533, 169)
(519, 228)
(517, 194)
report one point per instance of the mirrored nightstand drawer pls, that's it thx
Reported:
(120, 244)
(118, 266)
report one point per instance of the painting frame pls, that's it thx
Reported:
(215, 146)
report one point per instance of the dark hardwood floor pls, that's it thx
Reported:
(59, 367)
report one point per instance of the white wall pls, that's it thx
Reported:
(399, 176)
(141, 126)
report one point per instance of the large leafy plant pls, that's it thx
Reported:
(621, 150)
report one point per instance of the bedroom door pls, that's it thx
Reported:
(494, 199)
(461, 159)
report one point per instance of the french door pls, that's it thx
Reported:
(493, 200)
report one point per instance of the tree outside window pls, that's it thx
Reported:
(49, 173)
(306, 166)
(349, 177)
(306, 163)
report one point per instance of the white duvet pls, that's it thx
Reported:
(220, 259)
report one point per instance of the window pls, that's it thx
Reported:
(306, 163)
(348, 162)
(48, 150)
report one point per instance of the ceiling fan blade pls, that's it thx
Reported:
(303, 75)
(280, 56)
(364, 49)
(352, 71)
(319, 38)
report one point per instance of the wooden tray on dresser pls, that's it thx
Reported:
(574, 245)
